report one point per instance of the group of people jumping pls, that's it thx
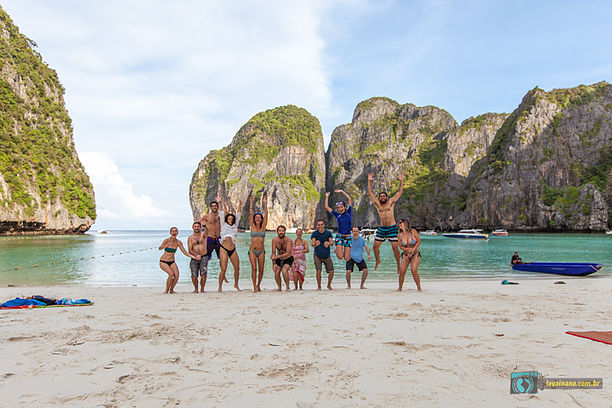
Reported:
(216, 233)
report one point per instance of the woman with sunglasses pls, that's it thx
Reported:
(344, 218)
(257, 252)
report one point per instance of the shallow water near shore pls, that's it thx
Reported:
(131, 258)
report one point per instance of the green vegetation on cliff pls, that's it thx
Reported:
(37, 153)
(292, 126)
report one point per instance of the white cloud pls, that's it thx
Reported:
(114, 194)
(155, 85)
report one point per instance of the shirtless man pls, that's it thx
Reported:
(388, 227)
(282, 256)
(196, 245)
(213, 224)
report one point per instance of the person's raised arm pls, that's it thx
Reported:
(400, 190)
(348, 199)
(370, 193)
(265, 212)
(327, 208)
(251, 222)
(239, 213)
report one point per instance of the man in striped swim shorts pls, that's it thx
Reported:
(388, 227)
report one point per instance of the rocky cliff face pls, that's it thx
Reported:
(546, 166)
(278, 152)
(387, 138)
(549, 165)
(43, 186)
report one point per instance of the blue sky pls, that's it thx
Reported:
(153, 86)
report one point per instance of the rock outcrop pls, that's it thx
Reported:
(279, 153)
(544, 167)
(549, 166)
(43, 186)
(386, 138)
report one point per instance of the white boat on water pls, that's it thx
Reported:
(467, 234)
(428, 232)
(500, 233)
(366, 233)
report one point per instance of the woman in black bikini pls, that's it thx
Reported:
(229, 233)
(257, 251)
(166, 262)
(409, 242)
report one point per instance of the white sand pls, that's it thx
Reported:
(137, 347)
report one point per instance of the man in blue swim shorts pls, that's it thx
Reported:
(388, 227)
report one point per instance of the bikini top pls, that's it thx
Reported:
(170, 249)
(412, 241)
(258, 234)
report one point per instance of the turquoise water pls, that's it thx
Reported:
(131, 257)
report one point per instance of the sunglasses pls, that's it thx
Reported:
(340, 203)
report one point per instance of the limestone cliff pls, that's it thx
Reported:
(43, 186)
(387, 138)
(549, 165)
(278, 152)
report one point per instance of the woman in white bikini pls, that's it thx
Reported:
(409, 242)
(229, 232)
(257, 252)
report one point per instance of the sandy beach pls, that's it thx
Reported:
(455, 344)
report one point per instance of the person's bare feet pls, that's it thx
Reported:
(363, 287)
(377, 265)
(195, 291)
(172, 292)
(329, 287)
(237, 288)
(225, 280)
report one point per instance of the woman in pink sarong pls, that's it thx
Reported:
(298, 269)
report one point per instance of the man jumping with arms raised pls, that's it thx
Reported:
(388, 227)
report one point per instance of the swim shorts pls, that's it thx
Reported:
(199, 267)
(283, 262)
(344, 240)
(212, 244)
(329, 265)
(390, 232)
(350, 265)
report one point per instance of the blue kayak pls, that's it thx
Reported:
(559, 268)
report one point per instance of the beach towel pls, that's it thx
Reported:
(19, 303)
(602, 336)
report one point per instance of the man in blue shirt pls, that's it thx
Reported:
(344, 218)
(357, 246)
(321, 241)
